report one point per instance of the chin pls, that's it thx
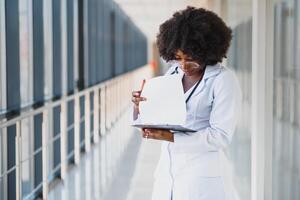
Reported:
(189, 73)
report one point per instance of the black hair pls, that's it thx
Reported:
(198, 33)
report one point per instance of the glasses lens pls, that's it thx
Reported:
(191, 65)
(188, 64)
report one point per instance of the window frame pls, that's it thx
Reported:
(2, 59)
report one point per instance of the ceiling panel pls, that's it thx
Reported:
(149, 14)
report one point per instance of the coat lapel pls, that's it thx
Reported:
(210, 71)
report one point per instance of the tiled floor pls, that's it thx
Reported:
(131, 181)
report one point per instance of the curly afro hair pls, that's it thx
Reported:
(198, 33)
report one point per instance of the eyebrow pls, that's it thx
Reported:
(188, 58)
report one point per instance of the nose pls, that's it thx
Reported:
(183, 64)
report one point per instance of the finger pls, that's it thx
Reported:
(156, 133)
(153, 135)
(136, 93)
(138, 99)
(146, 135)
(134, 100)
(152, 130)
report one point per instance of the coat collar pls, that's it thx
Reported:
(210, 71)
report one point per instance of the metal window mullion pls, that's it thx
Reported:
(55, 138)
(69, 128)
(45, 128)
(87, 122)
(33, 192)
(63, 142)
(2, 57)
(103, 111)
(113, 103)
(96, 116)
(30, 49)
(107, 106)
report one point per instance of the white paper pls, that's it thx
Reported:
(165, 102)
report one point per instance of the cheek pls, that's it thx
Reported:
(194, 72)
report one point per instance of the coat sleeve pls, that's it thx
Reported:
(223, 117)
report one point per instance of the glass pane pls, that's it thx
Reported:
(27, 177)
(240, 60)
(55, 158)
(26, 157)
(2, 67)
(286, 94)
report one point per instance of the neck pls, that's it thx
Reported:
(195, 76)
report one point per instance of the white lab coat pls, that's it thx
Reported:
(190, 168)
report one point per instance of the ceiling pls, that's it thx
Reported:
(149, 14)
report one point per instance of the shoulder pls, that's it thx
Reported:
(227, 80)
(171, 70)
(226, 75)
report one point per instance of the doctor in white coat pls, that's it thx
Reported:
(189, 168)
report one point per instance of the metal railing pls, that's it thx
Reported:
(110, 99)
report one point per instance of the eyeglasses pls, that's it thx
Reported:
(187, 64)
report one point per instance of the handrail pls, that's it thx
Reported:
(65, 98)
(108, 105)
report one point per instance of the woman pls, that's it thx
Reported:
(195, 41)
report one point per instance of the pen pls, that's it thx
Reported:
(143, 83)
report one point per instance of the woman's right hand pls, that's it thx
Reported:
(136, 98)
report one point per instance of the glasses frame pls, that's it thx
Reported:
(178, 63)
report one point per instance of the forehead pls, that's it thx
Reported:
(180, 54)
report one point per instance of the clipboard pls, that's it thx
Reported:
(172, 128)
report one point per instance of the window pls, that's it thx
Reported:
(55, 139)
(38, 119)
(81, 71)
(70, 132)
(70, 46)
(38, 52)
(57, 49)
(12, 55)
(11, 162)
(12, 86)
(112, 43)
(91, 42)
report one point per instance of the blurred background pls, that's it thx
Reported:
(67, 69)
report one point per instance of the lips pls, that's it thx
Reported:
(186, 71)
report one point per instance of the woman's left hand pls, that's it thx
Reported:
(158, 134)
